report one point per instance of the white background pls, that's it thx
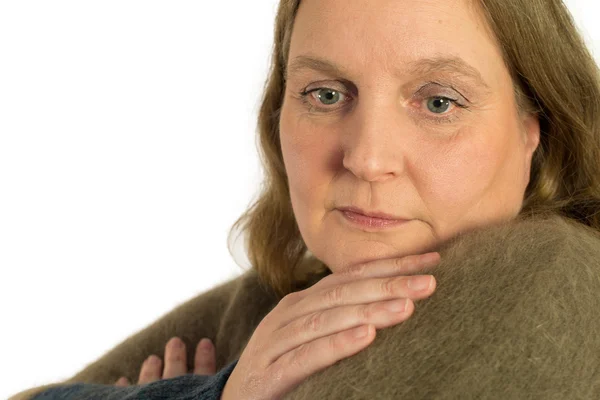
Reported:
(127, 150)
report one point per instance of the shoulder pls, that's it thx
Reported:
(538, 252)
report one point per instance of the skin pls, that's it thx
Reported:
(376, 144)
(175, 362)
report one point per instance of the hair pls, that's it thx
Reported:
(554, 76)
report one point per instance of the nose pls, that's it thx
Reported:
(372, 147)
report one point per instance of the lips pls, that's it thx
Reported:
(369, 224)
(372, 214)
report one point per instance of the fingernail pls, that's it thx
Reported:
(153, 360)
(396, 305)
(420, 282)
(205, 344)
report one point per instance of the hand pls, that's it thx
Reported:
(176, 363)
(336, 318)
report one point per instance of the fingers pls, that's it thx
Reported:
(408, 265)
(122, 382)
(205, 360)
(151, 370)
(362, 291)
(314, 328)
(335, 320)
(175, 359)
(349, 303)
(386, 268)
(176, 362)
(370, 290)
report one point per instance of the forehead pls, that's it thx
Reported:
(393, 35)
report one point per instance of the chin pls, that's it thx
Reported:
(341, 247)
(368, 252)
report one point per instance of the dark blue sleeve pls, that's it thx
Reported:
(185, 387)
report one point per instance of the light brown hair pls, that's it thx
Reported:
(554, 76)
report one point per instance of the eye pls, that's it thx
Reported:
(325, 96)
(438, 105)
(328, 96)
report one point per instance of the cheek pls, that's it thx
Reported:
(475, 179)
(306, 157)
(458, 174)
(450, 165)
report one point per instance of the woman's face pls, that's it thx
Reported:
(411, 113)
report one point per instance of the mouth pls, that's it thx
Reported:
(369, 222)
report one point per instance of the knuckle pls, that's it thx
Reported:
(364, 312)
(314, 322)
(335, 342)
(400, 264)
(334, 295)
(289, 299)
(301, 356)
(388, 286)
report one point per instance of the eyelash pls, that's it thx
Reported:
(438, 120)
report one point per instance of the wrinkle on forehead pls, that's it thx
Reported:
(378, 29)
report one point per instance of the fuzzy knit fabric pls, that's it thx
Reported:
(515, 316)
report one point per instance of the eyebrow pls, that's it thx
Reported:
(423, 66)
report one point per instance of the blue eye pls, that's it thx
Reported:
(328, 96)
(438, 105)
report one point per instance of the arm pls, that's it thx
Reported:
(515, 315)
(191, 321)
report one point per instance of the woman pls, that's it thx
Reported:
(471, 129)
